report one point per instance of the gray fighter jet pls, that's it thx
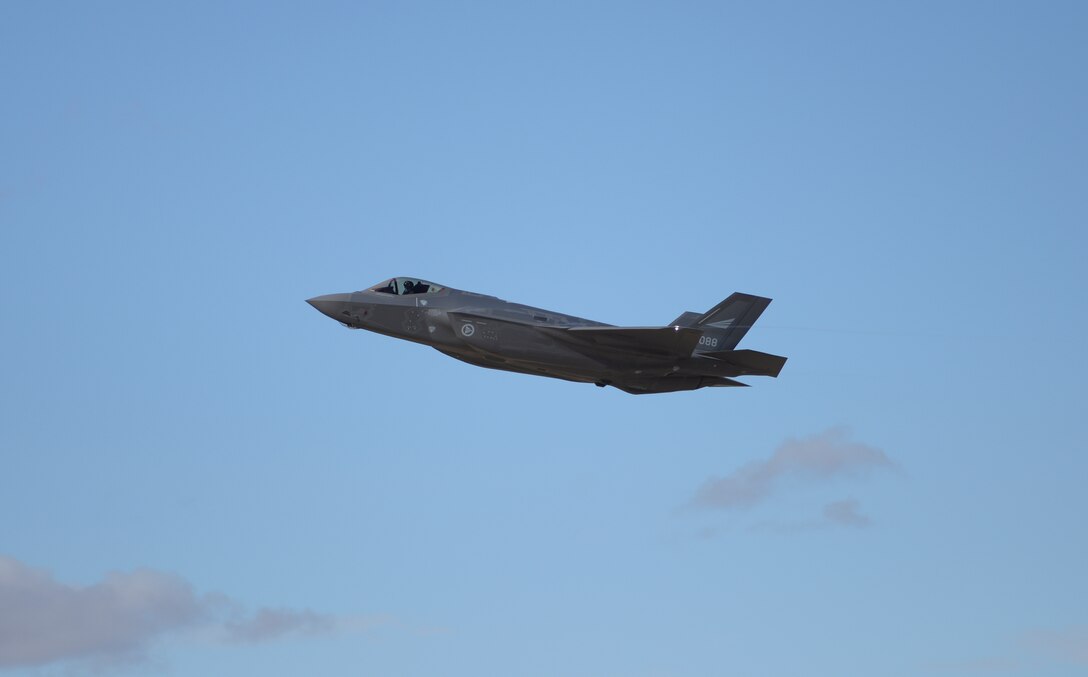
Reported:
(695, 350)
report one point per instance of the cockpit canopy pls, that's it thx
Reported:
(402, 286)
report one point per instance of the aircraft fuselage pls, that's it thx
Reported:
(489, 332)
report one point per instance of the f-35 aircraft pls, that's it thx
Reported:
(696, 350)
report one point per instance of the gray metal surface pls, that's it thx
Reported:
(695, 351)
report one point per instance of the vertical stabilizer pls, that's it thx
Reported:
(725, 324)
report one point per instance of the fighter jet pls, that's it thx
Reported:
(696, 350)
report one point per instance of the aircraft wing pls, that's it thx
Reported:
(667, 341)
(661, 341)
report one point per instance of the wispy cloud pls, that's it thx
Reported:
(978, 666)
(822, 456)
(846, 513)
(1068, 645)
(1029, 652)
(114, 621)
(269, 624)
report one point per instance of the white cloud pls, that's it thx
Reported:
(114, 621)
(822, 456)
(42, 620)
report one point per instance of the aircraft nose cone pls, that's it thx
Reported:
(331, 304)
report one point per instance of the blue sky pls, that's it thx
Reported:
(202, 475)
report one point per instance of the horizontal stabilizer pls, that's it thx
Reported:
(750, 362)
(723, 382)
(672, 384)
(670, 341)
